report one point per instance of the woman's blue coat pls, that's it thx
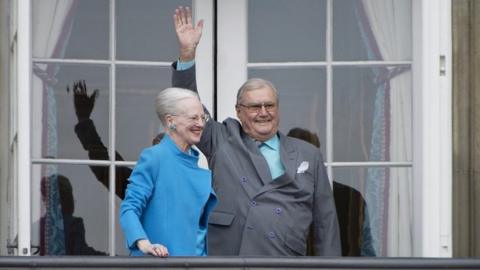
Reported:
(167, 200)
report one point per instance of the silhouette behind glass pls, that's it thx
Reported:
(351, 207)
(91, 141)
(73, 227)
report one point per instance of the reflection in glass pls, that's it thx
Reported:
(86, 131)
(372, 30)
(374, 205)
(372, 114)
(70, 29)
(55, 119)
(286, 30)
(302, 97)
(352, 213)
(69, 211)
(137, 121)
(149, 23)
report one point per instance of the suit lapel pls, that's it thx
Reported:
(288, 156)
(259, 162)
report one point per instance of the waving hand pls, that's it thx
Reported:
(188, 35)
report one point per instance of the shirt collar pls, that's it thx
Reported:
(273, 143)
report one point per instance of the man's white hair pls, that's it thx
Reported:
(253, 84)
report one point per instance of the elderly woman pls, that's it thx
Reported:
(169, 197)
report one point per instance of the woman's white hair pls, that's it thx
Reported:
(167, 100)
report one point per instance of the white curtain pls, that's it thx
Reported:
(389, 22)
(51, 24)
(51, 29)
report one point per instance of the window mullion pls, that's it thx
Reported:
(329, 91)
(24, 82)
(112, 148)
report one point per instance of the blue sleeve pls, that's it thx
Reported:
(136, 199)
(185, 65)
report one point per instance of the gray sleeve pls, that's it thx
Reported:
(214, 132)
(184, 78)
(325, 222)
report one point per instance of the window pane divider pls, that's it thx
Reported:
(369, 164)
(328, 90)
(125, 163)
(103, 62)
(112, 131)
(70, 161)
(324, 64)
(82, 162)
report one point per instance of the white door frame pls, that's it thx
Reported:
(432, 155)
(24, 82)
(232, 54)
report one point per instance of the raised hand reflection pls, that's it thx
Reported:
(86, 131)
(91, 141)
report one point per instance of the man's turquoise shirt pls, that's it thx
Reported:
(270, 149)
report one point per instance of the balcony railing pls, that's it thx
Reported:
(226, 263)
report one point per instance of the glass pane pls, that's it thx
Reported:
(286, 30)
(70, 29)
(148, 23)
(62, 128)
(137, 121)
(375, 209)
(372, 114)
(302, 97)
(372, 30)
(69, 211)
(122, 173)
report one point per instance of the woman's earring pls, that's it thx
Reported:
(172, 126)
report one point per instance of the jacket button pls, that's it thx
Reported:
(243, 179)
(271, 235)
(278, 210)
(253, 203)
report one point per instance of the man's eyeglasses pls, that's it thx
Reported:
(257, 107)
(195, 118)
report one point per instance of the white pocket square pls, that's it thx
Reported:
(303, 167)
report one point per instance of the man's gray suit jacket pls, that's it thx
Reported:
(258, 216)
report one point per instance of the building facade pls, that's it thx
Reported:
(372, 79)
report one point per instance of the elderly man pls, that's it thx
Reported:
(271, 188)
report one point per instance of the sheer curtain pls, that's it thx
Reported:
(52, 23)
(385, 26)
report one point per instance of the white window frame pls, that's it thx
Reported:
(202, 9)
(432, 144)
(432, 147)
(24, 83)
